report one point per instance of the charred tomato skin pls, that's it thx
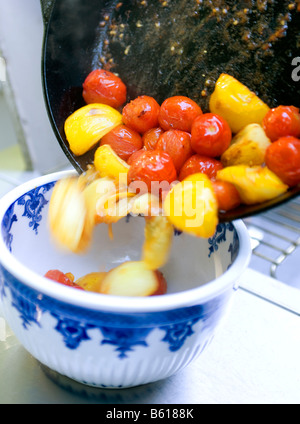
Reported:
(141, 114)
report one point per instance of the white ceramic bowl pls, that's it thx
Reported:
(108, 341)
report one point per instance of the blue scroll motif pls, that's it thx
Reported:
(177, 334)
(34, 202)
(73, 332)
(29, 312)
(219, 237)
(7, 223)
(125, 338)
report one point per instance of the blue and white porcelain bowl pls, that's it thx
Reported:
(107, 341)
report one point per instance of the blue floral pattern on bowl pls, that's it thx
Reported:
(123, 340)
(34, 202)
(124, 332)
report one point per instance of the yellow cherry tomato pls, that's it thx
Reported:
(109, 164)
(92, 282)
(85, 127)
(237, 104)
(191, 206)
(255, 184)
(159, 234)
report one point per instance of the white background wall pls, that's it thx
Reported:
(21, 38)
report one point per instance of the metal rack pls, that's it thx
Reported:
(276, 243)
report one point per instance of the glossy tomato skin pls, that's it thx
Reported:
(141, 114)
(135, 156)
(104, 87)
(178, 145)
(151, 137)
(124, 141)
(283, 158)
(178, 113)
(281, 122)
(152, 166)
(211, 135)
(61, 278)
(228, 197)
(200, 164)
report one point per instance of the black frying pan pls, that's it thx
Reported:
(170, 47)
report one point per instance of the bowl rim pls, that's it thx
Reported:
(116, 304)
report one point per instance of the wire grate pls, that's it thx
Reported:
(275, 240)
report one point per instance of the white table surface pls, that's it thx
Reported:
(254, 358)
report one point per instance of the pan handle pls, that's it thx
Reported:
(46, 6)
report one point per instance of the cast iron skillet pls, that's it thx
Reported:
(163, 48)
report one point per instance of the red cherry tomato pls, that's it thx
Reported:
(104, 87)
(162, 284)
(228, 197)
(152, 167)
(281, 122)
(151, 137)
(141, 114)
(283, 158)
(200, 164)
(135, 155)
(178, 145)
(178, 113)
(124, 141)
(60, 277)
(211, 135)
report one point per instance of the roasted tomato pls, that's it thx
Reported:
(211, 135)
(135, 155)
(162, 284)
(200, 164)
(124, 141)
(281, 122)
(141, 114)
(60, 277)
(178, 145)
(178, 113)
(151, 137)
(104, 87)
(191, 206)
(283, 158)
(227, 195)
(152, 167)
